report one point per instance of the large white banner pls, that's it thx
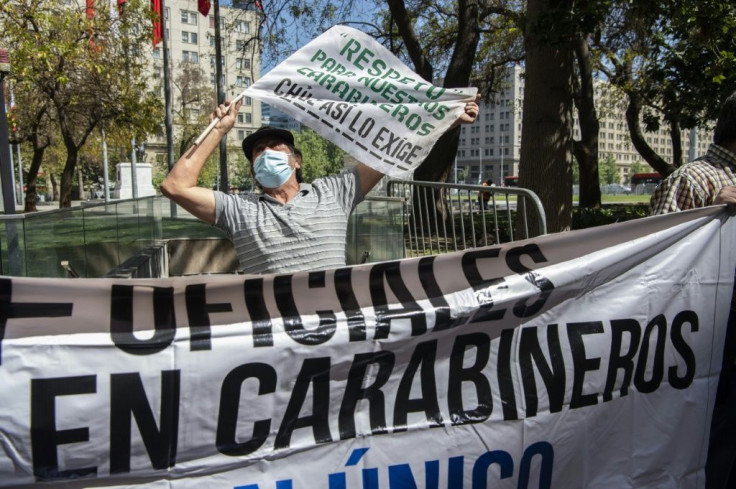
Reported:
(356, 93)
(582, 359)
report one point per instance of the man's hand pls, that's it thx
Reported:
(471, 112)
(727, 195)
(227, 114)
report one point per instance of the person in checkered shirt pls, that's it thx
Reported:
(709, 180)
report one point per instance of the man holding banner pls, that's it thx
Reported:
(290, 226)
(711, 180)
(350, 90)
(708, 180)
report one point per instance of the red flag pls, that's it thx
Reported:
(157, 24)
(203, 6)
(259, 5)
(121, 7)
(90, 9)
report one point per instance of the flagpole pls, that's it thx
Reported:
(21, 194)
(105, 179)
(6, 174)
(224, 183)
(133, 176)
(168, 121)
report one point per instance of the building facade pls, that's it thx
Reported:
(489, 148)
(271, 116)
(191, 41)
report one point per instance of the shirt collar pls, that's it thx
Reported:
(304, 189)
(719, 154)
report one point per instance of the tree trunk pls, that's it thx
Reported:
(65, 192)
(676, 137)
(547, 118)
(586, 150)
(436, 167)
(32, 179)
(54, 188)
(633, 116)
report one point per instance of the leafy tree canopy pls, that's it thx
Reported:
(319, 156)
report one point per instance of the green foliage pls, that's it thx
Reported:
(583, 218)
(210, 172)
(319, 156)
(88, 70)
(608, 170)
(677, 55)
(239, 171)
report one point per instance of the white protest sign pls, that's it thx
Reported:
(356, 93)
(581, 359)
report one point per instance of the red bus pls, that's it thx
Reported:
(511, 181)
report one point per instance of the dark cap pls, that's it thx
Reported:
(265, 132)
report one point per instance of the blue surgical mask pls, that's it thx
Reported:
(272, 168)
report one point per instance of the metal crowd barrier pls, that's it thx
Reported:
(444, 217)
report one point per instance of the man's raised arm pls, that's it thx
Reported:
(180, 185)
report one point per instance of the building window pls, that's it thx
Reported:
(242, 26)
(157, 53)
(212, 22)
(242, 81)
(213, 58)
(188, 17)
(248, 101)
(242, 64)
(189, 37)
(190, 56)
(241, 134)
(239, 45)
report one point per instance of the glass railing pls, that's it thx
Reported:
(376, 231)
(93, 239)
(87, 241)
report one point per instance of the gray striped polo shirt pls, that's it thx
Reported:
(306, 233)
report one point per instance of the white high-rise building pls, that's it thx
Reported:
(489, 148)
(191, 38)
